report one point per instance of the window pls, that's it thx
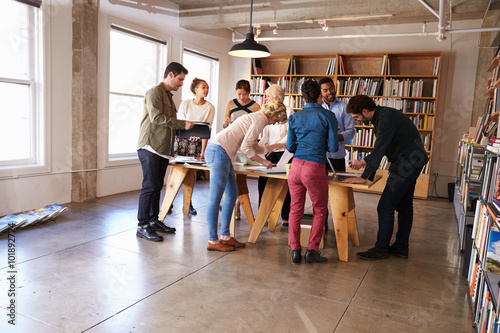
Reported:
(203, 67)
(137, 63)
(21, 95)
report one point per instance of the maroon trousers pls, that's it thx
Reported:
(313, 178)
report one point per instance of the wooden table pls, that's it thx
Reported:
(340, 194)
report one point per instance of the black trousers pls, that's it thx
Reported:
(397, 196)
(285, 210)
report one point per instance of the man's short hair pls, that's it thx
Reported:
(358, 103)
(175, 68)
(310, 91)
(326, 80)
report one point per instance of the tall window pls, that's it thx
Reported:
(21, 95)
(203, 67)
(136, 64)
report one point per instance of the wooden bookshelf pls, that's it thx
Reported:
(408, 81)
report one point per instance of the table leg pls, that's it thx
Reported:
(344, 218)
(276, 212)
(244, 199)
(273, 189)
(174, 184)
(352, 225)
(187, 190)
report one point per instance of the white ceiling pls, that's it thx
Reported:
(304, 14)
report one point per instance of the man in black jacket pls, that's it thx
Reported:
(398, 139)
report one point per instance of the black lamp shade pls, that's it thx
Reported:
(249, 48)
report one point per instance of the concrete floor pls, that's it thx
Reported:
(87, 272)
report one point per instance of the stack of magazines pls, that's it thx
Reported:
(31, 217)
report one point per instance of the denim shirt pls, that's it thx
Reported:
(346, 126)
(311, 133)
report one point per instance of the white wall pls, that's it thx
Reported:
(34, 190)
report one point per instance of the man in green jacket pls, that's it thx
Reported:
(155, 147)
(398, 139)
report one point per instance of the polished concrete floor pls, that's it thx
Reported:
(87, 272)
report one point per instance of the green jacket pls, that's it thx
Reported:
(159, 122)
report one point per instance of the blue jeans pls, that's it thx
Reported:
(154, 168)
(397, 196)
(222, 180)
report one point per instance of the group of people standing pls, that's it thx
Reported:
(317, 133)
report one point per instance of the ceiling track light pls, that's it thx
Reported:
(275, 29)
(257, 30)
(323, 25)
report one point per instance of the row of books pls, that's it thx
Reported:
(435, 70)
(484, 269)
(295, 102)
(259, 84)
(296, 85)
(31, 217)
(364, 137)
(426, 140)
(410, 105)
(409, 88)
(378, 101)
(422, 122)
(359, 86)
(330, 69)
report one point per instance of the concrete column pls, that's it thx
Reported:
(84, 100)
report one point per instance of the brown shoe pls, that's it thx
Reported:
(219, 247)
(232, 242)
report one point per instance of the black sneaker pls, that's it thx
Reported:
(296, 256)
(149, 234)
(373, 254)
(314, 256)
(192, 211)
(162, 227)
(393, 251)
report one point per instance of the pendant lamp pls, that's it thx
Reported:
(249, 48)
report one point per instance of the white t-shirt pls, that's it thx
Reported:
(190, 111)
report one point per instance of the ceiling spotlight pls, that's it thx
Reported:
(258, 30)
(275, 28)
(323, 25)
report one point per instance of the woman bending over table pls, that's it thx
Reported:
(220, 154)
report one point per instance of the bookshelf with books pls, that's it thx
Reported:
(407, 81)
(484, 265)
(468, 179)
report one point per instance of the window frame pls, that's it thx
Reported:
(104, 158)
(39, 44)
(213, 96)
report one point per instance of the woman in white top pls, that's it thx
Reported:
(275, 136)
(220, 154)
(196, 109)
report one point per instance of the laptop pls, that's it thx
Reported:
(342, 175)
